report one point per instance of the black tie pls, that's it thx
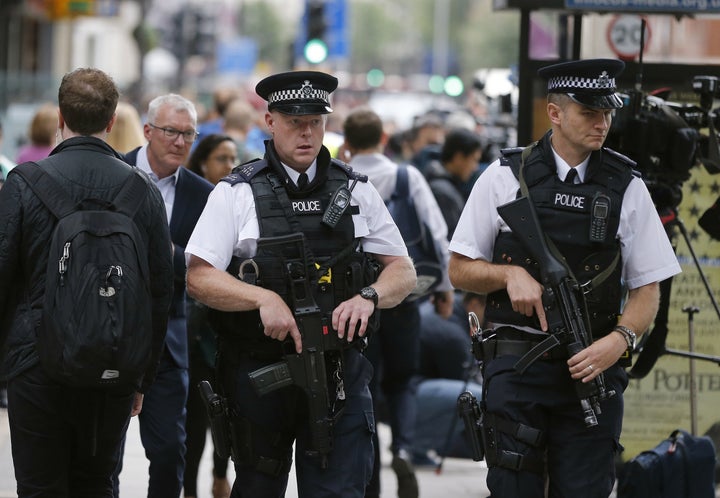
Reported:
(302, 181)
(570, 177)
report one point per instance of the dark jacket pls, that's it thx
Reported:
(86, 167)
(191, 193)
(447, 192)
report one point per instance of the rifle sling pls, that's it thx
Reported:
(588, 286)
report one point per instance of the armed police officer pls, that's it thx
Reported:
(603, 227)
(312, 252)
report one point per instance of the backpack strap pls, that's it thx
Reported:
(402, 189)
(56, 199)
(130, 197)
(46, 188)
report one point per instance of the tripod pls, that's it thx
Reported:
(652, 345)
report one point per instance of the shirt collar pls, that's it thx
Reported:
(563, 167)
(294, 175)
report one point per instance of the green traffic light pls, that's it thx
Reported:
(453, 86)
(436, 83)
(375, 77)
(316, 51)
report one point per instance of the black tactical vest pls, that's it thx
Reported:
(566, 213)
(336, 268)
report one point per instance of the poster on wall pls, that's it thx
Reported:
(660, 402)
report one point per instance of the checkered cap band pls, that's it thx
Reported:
(569, 83)
(307, 92)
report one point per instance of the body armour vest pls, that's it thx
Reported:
(330, 257)
(566, 214)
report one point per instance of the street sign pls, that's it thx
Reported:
(624, 36)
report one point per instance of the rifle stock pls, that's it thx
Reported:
(561, 302)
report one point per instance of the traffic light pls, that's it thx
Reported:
(315, 50)
(316, 24)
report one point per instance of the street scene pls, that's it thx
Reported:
(398, 229)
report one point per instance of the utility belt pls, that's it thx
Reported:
(509, 341)
(235, 348)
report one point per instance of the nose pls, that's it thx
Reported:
(605, 120)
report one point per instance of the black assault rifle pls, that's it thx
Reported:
(562, 300)
(318, 370)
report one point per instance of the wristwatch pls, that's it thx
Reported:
(370, 294)
(629, 335)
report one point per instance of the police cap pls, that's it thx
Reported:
(298, 92)
(589, 82)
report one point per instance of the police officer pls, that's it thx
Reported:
(357, 263)
(535, 428)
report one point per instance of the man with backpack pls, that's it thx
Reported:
(86, 268)
(395, 351)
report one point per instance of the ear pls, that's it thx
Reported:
(554, 112)
(146, 131)
(269, 122)
(111, 123)
(61, 120)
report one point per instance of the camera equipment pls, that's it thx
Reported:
(667, 140)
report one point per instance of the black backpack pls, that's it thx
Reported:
(680, 466)
(418, 238)
(96, 317)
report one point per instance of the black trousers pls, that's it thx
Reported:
(65, 441)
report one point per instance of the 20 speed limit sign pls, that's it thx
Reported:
(623, 35)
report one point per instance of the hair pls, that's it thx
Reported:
(178, 103)
(559, 99)
(239, 115)
(44, 124)
(202, 151)
(459, 140)
(222, 97)
(363, 128)
(127, 132)
(88, 98)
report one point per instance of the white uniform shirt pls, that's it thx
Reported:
(229, 227)
(647, 255)
(383, 175)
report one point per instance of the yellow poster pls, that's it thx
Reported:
(660, 402)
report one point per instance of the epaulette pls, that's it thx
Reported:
(511, 150)
(625, 160)
(244, 172)
(506, 152)
(351, 173)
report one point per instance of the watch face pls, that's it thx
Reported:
(369, 293)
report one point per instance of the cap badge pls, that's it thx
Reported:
(604, 80)
(306, 89)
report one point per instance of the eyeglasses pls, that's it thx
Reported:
(172, 133)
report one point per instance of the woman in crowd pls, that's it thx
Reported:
(213, 158)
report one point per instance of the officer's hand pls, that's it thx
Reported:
(352, 316)
(598, 357)
(278, 321)
(525, 293)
